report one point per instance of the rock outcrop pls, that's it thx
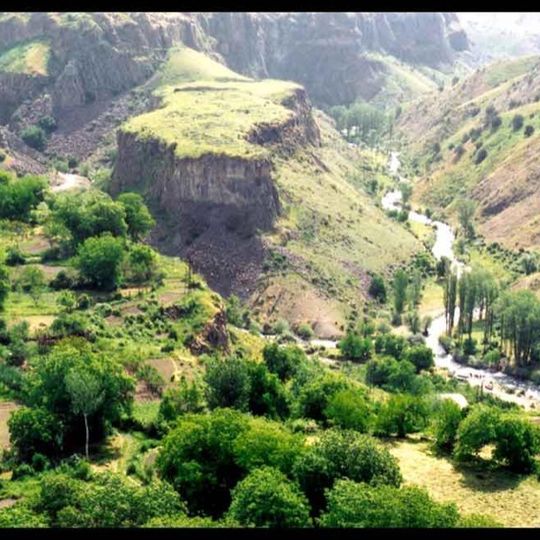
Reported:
(210, 208)
(100, 55)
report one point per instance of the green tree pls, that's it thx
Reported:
(349, 409)
(445, 424)
(86, 397)
(76, 218)
(390, 345)
(377, 289)
(267, 498)
(20, 197)
(198, 458)
(110, 500)
(402, 414)
(32, 282)
(228, 383)
(466, 209)
(420, 356)
(354, 347)
(399, 286)
(315, 395)
(267, 395)
(142, 263)
(35, 431)
(47, 388)
(35, 137)
(517, 442)
(100, 261)
(343, 454)
(476, 430)
(283, 360)
(351, 504)
(267, 443)
(138, 218)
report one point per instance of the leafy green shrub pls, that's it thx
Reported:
(84, 301)
(351, 504)
(281, 327)
(21, 515)
(476, 430)
(445, 424)
(34, 431)
(100, 261)
(356, 348)
(267, 498)
(377, 289)
(492, 357)
(198, 458)
(35, 137)
(480, 155)
(402, 414)
(343, 454)
(517, 442)
(529, 130)
(237, 314)
(186, 397)
(283, 360)
(304, 331)
(14, 256)
(477, 521)
(47, 123)
(420, 356)
(349, 409)
(517, 122)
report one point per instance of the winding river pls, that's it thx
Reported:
(503, 386)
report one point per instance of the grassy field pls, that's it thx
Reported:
(30, 58)
(206, 108)
(511, 499)
(432, 300)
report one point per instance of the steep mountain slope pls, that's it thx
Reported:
(255, 191)
(497, 165)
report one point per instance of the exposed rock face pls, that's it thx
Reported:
(326, 51)
(16, 88)
(211, 207)
(100, 55)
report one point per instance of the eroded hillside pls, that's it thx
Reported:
(479, 139)
(256, 192)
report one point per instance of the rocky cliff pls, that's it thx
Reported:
(326, 52)
(97, 56)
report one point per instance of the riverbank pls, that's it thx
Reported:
(503, 386)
